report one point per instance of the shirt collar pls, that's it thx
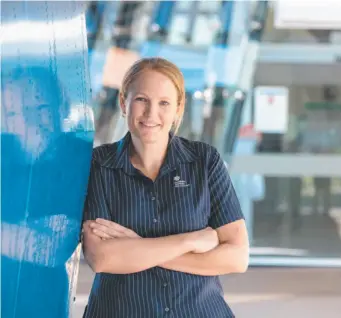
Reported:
(179, 151)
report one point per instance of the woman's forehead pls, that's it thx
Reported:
(154, 83)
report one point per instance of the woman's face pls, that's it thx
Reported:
(151, 107)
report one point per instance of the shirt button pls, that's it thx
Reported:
(153, 198)
(154, 220)
(165, 285)
(167, 309)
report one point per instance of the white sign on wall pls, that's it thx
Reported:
(308, 14)
(271, 105)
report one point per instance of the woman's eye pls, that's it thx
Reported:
(164, 103)
(141, 99)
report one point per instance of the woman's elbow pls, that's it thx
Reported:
(242, 264)
(96, 261)
(96, 266)
(242, 267)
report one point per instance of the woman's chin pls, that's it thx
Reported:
(151, 137)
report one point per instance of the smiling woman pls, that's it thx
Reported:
(162, 219)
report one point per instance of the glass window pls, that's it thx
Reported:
(276, 35)
(205, 29)
(183, 5)
(177, 31)
(210, 6)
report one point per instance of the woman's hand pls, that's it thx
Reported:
(201, 241)
(204, 240)
(109, 230)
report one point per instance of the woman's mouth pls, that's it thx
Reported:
(149, 125)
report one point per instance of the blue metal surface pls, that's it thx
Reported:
(163, 13)
(46, 144)
(219, 65)
(93, 18)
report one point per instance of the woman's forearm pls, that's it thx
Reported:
(125, 256)
(224, 259)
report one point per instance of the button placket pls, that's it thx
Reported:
(153, 193)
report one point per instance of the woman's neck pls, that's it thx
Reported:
(148, 157)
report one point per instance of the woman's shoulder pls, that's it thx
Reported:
(102, 152)
(201, 149)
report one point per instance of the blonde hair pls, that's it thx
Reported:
(164, 67)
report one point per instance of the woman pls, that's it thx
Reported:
(162, 219)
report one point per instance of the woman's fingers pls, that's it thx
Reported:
(109, 231)
(119, 229)
(111, 224)
(131, 234)
(101, 234)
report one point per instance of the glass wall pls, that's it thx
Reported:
(194, 22)
(297, 36)
(300, 212)
(289, 185)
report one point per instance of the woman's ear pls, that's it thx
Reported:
(122, 104)
(180, 110)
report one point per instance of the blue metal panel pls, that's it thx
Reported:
(226, 15)
(219, 54)
(163, 14)
(46, 144)
(94, 19)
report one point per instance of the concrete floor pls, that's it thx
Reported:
(264, 292)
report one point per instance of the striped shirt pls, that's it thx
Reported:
(192, 191)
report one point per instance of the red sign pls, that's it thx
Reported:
(248, 131)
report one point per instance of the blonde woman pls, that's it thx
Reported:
(162, 219)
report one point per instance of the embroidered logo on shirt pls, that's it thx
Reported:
(178, 183)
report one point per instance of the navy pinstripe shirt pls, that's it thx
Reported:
(192, 191)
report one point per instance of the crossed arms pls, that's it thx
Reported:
(111, 248)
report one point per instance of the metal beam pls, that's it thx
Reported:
(286, 165)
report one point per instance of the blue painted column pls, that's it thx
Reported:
(162, 17)
(94, 18)
(219, 66)
(159, 28)
(46, 144)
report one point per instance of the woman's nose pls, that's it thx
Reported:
(151, 109)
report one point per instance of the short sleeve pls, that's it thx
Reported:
(95, 203)
(225, 206)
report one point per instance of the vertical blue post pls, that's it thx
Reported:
(159, 27)
(94, 19)
(162, 17)
(219, 58)
(225, 17)
(46, 144)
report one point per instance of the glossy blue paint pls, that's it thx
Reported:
(46, 143)
(162, 14)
